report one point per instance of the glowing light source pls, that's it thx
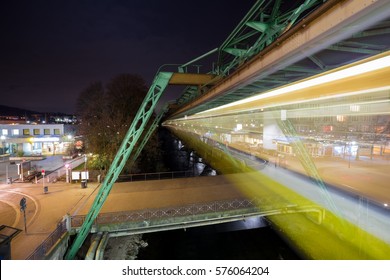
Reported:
(359, 69)
(46, 139)
(354, 108)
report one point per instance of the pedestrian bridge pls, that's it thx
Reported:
(186, 216)
(109, 225)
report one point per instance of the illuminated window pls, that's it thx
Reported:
(46, 131)
(341, 118)
(15, 131)
(26, 131)
(37, 131)
(56, 131)
(354, 108)
(4, 132)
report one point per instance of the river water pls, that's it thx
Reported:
(251, 239)
(217, 242)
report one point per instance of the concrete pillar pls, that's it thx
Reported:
(68, 223)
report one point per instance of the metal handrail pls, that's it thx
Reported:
(41, 251)
(185, 210)
(155, 176)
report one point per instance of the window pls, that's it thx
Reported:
(26, 131)
(37, 131)
(341, 118)
(56, 131)
(15, 131)
(4, 132)
(46, 131)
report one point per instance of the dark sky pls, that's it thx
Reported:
(50, 50)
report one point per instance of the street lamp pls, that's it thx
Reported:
(67, 172)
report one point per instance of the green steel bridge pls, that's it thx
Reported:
(275, 45)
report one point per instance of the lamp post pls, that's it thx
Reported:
(45, 189)
(67, 172)
(6, 173)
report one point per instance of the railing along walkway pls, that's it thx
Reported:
(187, 215)
(44, 248)
(155, 176)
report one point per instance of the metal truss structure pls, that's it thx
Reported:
(308, 49)
(280, 43)
(125, 151)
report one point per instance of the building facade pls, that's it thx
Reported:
(33, 139)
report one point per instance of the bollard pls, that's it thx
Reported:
(83, 184)
(45, 189)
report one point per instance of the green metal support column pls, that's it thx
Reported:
(150, 131)
(307, 162)
(133, 134)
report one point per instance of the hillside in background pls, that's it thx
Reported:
(12, 111)
(13, 114)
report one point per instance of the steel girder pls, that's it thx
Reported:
(306, 160)
(263, 24)
(346, 31)
(133, 134)
(149, 133)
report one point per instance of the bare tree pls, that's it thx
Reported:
(106, 114)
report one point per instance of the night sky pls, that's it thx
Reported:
(52, 49)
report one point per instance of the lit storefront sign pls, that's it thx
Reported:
(46, 139)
